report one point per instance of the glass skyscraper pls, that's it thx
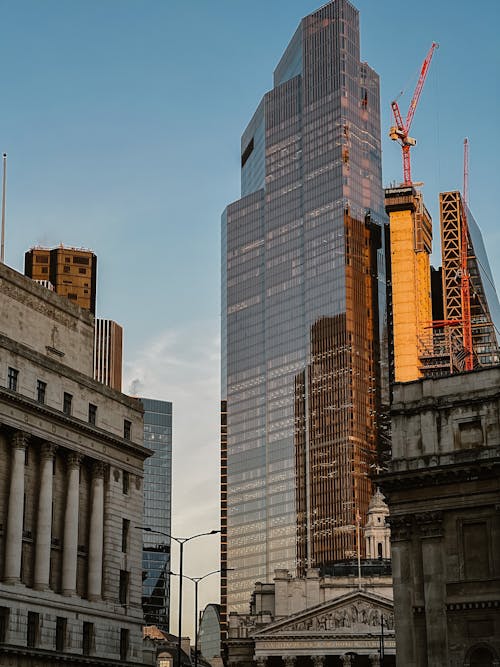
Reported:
(157, 512)
(304, 360)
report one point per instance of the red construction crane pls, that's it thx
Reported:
(465, 277)
(400, 131)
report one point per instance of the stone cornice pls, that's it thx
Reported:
(418, 475)
(55, 416)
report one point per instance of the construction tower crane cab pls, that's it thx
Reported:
(400, 131)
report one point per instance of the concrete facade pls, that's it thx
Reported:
(71, 490)
(443, 490)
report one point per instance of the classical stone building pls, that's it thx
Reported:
(443, 489)
(71, 475)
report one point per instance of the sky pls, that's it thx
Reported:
(122, 122)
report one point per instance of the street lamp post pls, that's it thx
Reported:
(180, 541)
(196, 581)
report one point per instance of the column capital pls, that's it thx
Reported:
(318, 660)
(261, 661)
(98, 468)
(374, 659)
(347, 660)
(19, 440)
(47, 450)
(401, 527)
(289, 660)
(430, 524)
(74, 459)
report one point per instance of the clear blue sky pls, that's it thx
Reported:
(122, 121)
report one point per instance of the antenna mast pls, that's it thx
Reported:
(4, 182)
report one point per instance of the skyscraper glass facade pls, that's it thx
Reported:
(157, 512)
(303, 311)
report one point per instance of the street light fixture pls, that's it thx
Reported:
(196, 581)
(180, 541)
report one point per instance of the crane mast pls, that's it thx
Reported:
(400, 132)
(465, 277)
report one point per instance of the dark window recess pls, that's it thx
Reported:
(379, 549)
(125, 482)
(81, 260)
(127, 429)
(92, 413)
(42, 259)
(67, 403)
(41, 388)
(247, 152)
(88, 638)
(60, 633)
(123, 590)
(45, 269)
(476, 550)
(125, 534)
(32, 631)
(84, 271)
(12, 377)
(4, 623)
(66, 269)
(73, 296)
(124, 641)
(66, 259)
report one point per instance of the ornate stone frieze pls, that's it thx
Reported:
(356, 615)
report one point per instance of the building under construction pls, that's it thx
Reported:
(468, 335)
(410, 231)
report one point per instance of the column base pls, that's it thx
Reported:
(69, 594)
(41, 587)
(94, 598)
(12, 581)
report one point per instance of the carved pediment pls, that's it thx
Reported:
(354, 613)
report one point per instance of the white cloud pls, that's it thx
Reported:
(183, 366)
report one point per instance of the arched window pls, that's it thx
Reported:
(379, 549)
(481, 656)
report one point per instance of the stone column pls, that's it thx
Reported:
(261, 661)
(401, 530)
(96, 538)
(347, 660)
(15, 516)
(375, 659)
(431, 531)
(44, 518)
(70, 547)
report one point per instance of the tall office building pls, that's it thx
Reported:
(157, 512)
(71, 271)
(303, 312)
(108, 347)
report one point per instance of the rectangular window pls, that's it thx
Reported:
(60, 633)
(125, 482)
(41, 388)
(84, 271)
(124, 640)
(92, 413)
(67, 403)
(66, 269)
(81, 260)
(12, 376)
(4, 624)
(127, 429)
(123, 591)
(88, 638)
(125, 534)
(32, 631)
